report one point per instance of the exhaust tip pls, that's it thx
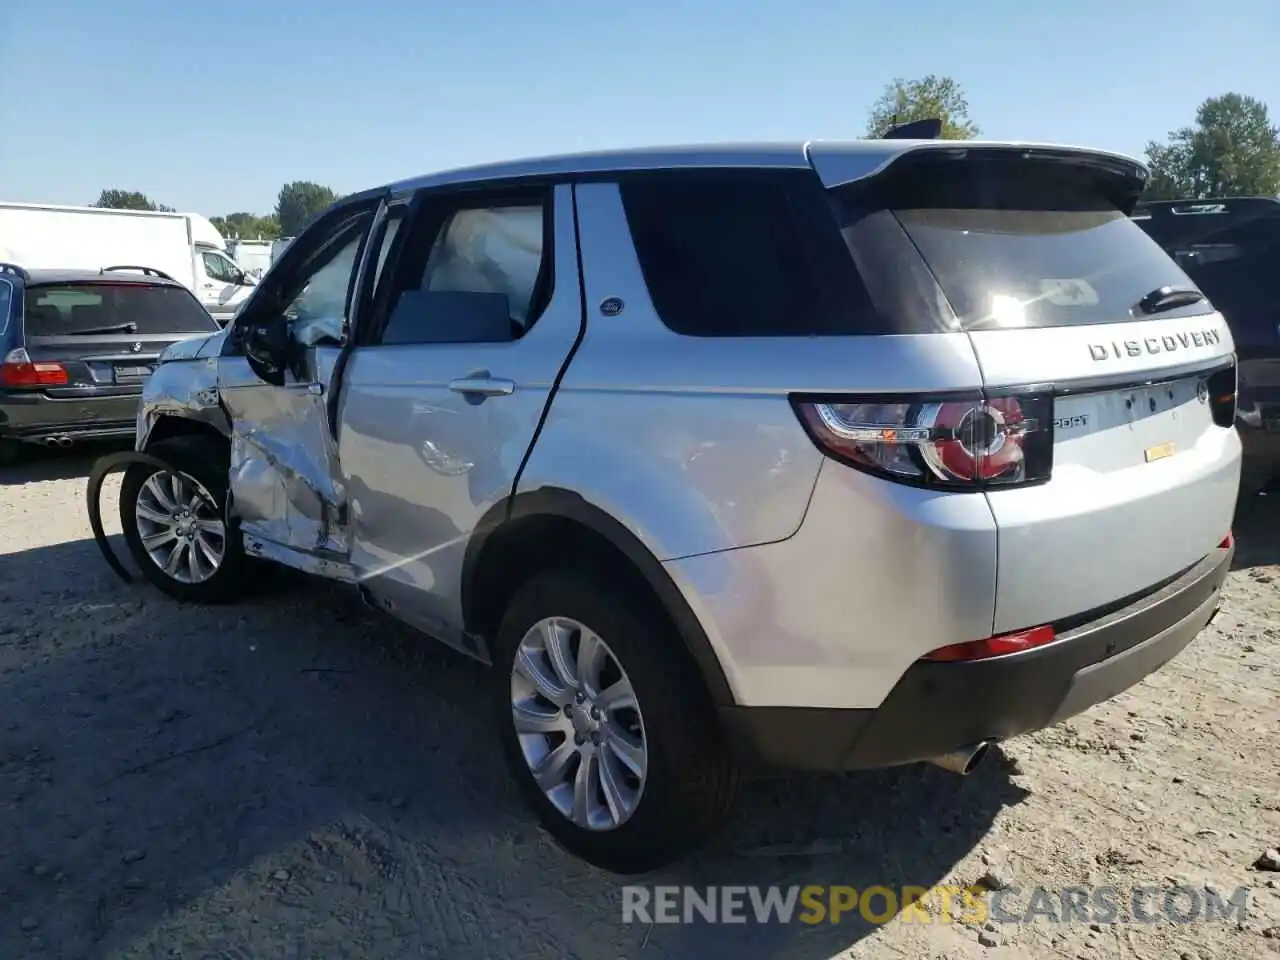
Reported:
(977, 757)
(963, 761)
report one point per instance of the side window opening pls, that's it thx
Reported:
(318, 312)
(217, 268)
(476, 273)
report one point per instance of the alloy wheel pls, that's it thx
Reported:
(579, 724)
(179, 526)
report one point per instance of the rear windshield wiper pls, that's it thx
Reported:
(114, 328)
(1167, 298)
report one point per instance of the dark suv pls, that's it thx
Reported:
(76, 347)
(1231, 249)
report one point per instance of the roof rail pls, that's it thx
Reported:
(928, 129)
(146, 271)
(16, 270)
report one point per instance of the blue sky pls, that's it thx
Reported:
(211, 106)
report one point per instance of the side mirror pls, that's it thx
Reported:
(266, 347)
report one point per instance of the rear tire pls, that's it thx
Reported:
(689, 780)
(200, 466)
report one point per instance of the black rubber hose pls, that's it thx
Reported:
(102, 468)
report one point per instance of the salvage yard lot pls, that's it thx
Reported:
(295, 777)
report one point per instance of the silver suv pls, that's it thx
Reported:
(727, 459)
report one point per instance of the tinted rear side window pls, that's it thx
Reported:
(75, 308)
(1016, 242)
(748, 256)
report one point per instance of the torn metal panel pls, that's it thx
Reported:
(283, 478)
(186, 389)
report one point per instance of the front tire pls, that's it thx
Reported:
(175, 522)
(606, 724)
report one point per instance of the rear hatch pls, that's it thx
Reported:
(104, 338)
(1125, 371)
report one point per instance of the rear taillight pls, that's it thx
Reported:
(1228, 541)
(963, 443)
(993, 646)
(1222, 396)
(19, 372)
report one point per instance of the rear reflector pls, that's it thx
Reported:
(19, 372)
(1227, 542)
(993, 646)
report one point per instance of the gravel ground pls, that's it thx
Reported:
(294, 777)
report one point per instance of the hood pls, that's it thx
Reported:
(195, 348)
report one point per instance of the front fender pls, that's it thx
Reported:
(187, 389)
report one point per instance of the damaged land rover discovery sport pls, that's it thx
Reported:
(818, 456)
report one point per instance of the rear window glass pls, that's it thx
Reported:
(1041, 268)
(742, 256)
(1018, 242)
(71, 309)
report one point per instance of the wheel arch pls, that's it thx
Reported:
(169, 425)
(511, 535)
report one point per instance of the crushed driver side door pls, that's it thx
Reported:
(285, 487)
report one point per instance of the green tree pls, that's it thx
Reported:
(128, 200)
(904, 101)
(247, 226)
(299, 203)
(1232, 151)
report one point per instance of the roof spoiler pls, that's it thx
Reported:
(927, 129)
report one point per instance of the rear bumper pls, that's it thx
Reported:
(35, 417)
(936, 708)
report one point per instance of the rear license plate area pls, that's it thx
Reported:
(133, 374)
(1116, 429)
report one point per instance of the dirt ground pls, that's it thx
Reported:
(295, 778)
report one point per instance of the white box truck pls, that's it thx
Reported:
(252, 256)
(186, 246)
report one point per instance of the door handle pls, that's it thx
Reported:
(483, 385)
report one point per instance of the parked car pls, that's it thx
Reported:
(77, 347)
(1230, 247)
(726, 459)
(184, 246)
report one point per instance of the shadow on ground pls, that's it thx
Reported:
(1257, 531)
(295, 777)
(43, 463)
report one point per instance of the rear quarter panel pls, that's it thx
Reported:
(692, 442)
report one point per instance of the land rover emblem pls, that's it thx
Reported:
(611, 306)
